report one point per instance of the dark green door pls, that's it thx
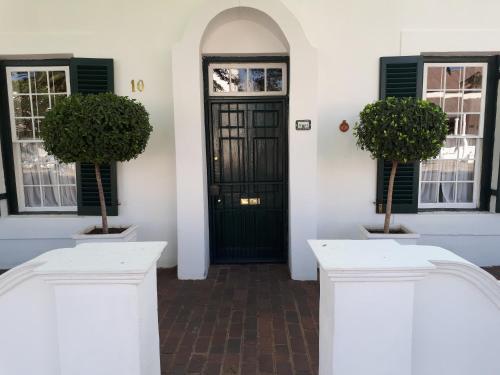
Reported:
(247, 172)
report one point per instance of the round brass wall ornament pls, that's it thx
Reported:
(344, 126)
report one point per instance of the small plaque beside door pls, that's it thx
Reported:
(303, 125)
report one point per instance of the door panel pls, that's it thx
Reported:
(247, 161)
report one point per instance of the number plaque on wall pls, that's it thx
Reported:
(303, 125)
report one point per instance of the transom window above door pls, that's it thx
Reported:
(43, 184)
(247, 79)
(452, 180)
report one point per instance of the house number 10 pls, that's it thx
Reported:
(139, 86)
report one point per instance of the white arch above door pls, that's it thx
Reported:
(192, 206)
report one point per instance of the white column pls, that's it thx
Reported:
(366, 306)
(106, 308)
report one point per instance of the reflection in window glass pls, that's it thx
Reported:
(257, 80)
(238, 79)
(20, 83)
(451, 178)
(221, 80)
(274, 79)
(44, 183)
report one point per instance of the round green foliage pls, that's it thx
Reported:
(402, 129)
(96, 128)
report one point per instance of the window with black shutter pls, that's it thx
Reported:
(466, 89)
(92, 76)
(400, 76)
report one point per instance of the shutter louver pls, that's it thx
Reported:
(93, 76)
(399, 77)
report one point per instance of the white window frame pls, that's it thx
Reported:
(17, 150)
(265, 66)
(479, 139)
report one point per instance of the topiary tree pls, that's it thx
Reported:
(401, 130)
(97, 129)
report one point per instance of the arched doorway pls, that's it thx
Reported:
(192, 182)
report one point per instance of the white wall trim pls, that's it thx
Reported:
(192, 207)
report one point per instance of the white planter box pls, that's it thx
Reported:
(128, 235)
(407, 238)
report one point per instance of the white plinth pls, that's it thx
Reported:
(367, 302)
(106, 307)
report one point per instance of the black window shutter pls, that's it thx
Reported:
(400, 76)
(92, 76)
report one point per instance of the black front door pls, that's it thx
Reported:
(248, 184)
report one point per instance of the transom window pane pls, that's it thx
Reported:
(246, 79)
(451, 179)
(43, 183)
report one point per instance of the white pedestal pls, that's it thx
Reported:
(366, 306)
(106, 307)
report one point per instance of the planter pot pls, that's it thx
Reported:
(405, 237)
(128, 235)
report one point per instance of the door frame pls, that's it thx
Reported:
(208, 100)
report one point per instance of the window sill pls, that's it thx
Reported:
(453, 210)
(43, 214)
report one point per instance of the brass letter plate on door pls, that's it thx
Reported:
(249, 201)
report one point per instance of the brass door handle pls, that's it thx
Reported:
(249, 201)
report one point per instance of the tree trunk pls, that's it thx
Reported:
(388, 208)
(104, 215)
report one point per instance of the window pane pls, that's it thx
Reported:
(274, 79)
(40, 104)
(57, 81)
(465, 192)
(31, 174)
(473, 77)
(67, 174)
(256, 80)
(472, 124)
(428, 192)
(220, 80)
(467, 148)
(29, 153)
(238, 79)
(434, 78)
(48, 172)
(24, 129)
(447, 170)
(453, 77)
(56, 98)
(465, 170)
(430, 170)
(39, 82)
(50, 196)
(454, 124)
(449, 149)
(32, 196)
(472, 101)
(20, 83)
(68, 196)
(38, 123)
(447, 192)
(452, 102)
(22, 106)
(435, 97)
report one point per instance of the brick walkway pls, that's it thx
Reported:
(242, 320)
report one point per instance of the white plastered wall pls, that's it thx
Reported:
(192, 211)
(350, 36)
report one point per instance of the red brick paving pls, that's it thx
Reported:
(243, 319)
